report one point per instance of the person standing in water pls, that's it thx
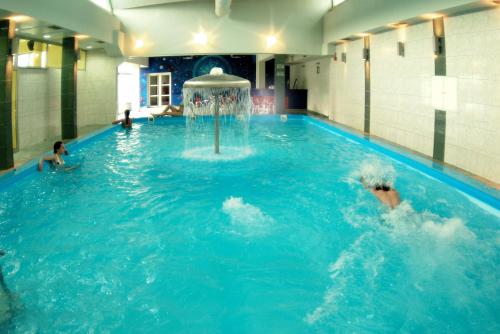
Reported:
(56, 159)
(126, 122)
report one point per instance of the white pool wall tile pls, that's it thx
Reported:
(472, 132)
(39, 98)
(401, 109)
(349, 84)
(36, 114)
(97, 89)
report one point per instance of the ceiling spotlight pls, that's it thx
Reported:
(271, 40)
(139, 43)
(46, 36)
(200, 38)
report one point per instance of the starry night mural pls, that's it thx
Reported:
(185, 68)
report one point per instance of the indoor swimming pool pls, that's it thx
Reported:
(145, 236)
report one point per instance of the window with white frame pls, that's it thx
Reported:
(159, 89)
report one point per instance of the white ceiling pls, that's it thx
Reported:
(168, 29)
(126, 4)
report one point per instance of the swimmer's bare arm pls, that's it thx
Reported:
(395, 199)
(117, 121)
(42, 160)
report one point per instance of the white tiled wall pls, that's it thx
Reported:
(317, 84)
(54, 100)
(401, 109)
(473, 57)
(38, 113)
(39, 98)
(348, 81)
(97, 89)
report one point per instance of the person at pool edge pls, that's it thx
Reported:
(385, 193)
(171, 110)
(126, 122)
(56, 159)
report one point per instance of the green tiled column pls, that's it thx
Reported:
(439, 69)
(439, 134)
(68, 88)
(279, 83)
(6, 149)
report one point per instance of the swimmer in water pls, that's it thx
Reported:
(384, 193)
(126, 122)
(56, 159)
(6, 299)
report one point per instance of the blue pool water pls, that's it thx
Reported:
(145, 238)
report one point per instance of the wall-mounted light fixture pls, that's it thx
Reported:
(431, 16)
(401, 49)
(317, 68)
(344, 57)
(438, 45)
(19, 18)
(397, 25)
(366, 54)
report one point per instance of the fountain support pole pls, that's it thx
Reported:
(216, 127)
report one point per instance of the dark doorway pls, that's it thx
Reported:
(287, 76)
(269, 73)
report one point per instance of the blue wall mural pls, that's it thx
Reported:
(185, 68)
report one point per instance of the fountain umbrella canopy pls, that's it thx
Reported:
(217, 79)
(217, 94)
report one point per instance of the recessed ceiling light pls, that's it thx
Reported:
(139, 43)
(89, 47)
(46, 36)
(201, 38)
(271, 40)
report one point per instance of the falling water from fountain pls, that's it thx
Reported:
(217, 106)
